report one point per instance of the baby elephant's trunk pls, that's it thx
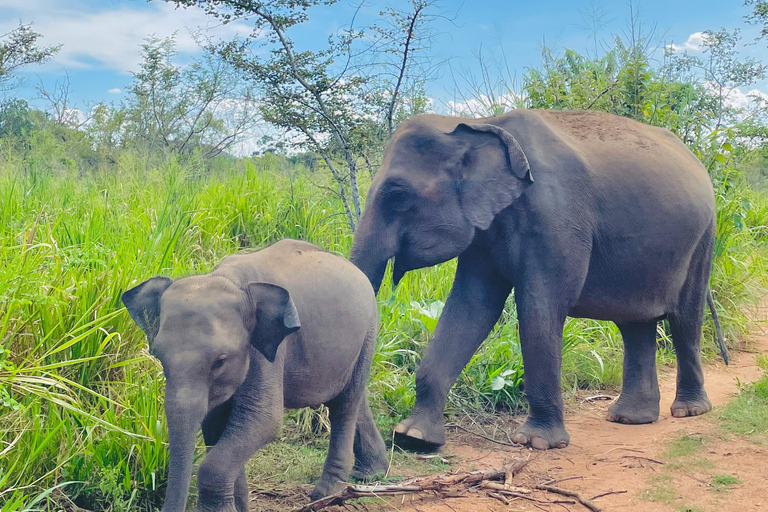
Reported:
(184, 411)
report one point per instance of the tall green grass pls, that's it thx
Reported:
(81, 401)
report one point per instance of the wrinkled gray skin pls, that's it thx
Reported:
(585, 214)
(288, 326)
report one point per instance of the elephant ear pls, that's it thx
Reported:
(274, 317)
(143, 304)
(493, 170)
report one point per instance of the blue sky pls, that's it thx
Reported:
(101, 38)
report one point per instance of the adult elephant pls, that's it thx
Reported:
(585, 214)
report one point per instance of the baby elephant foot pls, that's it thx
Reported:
(369, 467)
(682, 408)
(419, 434)
(326, 488)
(541, 437)
(223, 506)
(634, 412)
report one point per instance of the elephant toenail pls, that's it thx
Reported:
(520, 439)
(538, 443)
(562, 444)
(678, 413)
(401, 429)
(415, 433)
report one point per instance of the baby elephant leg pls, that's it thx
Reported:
(338, 463)
(370, 452)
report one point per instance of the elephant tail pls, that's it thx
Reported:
(718, 330)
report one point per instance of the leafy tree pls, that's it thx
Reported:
(324, 98)
(19, 48)
(15, 118)
(722, 68)
(202, 106)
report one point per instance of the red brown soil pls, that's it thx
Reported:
(606, 457)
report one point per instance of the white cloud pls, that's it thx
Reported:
(484, 106)
(116, 90)
(694, 43)
(109, 39)
(740, 99)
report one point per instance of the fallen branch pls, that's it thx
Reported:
(571, 494)
(415, 485)
(518, 492)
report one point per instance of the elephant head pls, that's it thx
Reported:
(439, 182)
(200, 329)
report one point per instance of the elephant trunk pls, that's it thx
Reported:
(184, 411)
(370, 257)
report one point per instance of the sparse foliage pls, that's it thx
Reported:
(19, 48)
(203, 106)
(722, 69)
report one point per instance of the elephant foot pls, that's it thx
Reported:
(225, 506)
(541, 437)
(368, 469)
(634, 412)
(682, 408)
(418, 434)
(326, 488)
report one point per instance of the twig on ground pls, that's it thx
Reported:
(572, 494)
(519, 492)
(641, 458)
(621, 448)
(487, 438)
(606, 494)
(502, 487)
(499, 497)
(552, 482)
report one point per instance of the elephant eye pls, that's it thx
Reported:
(398, 197)
(218, 363)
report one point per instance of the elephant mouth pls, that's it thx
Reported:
(398, 270)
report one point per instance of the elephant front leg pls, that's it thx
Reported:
(255, 416)
(541, 335)
(213, 427)
(472, 309)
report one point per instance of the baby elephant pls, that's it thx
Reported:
(288, 326)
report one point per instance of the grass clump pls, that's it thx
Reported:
(747, 414)
(723, 483)
(660, 491)
(685, 446)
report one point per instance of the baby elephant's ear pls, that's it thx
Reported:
(274, 317)
(143, 304)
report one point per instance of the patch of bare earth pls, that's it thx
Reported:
(620, 467)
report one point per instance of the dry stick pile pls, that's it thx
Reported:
(482, 479)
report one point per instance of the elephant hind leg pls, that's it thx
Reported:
(639, 400)
(685, 325)
(370, 452)
(338, 463)
(347, 412)
(691, 399)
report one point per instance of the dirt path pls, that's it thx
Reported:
(640, 460)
